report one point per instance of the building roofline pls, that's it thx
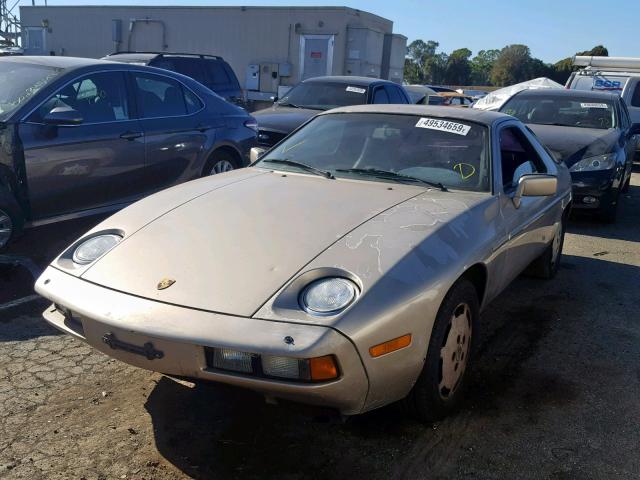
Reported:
(206, 7)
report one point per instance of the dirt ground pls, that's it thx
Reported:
(555, 392)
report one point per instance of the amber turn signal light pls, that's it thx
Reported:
(390, 345)
(323, 368)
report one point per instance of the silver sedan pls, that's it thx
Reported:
(348, 267)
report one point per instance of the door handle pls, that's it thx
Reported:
(131, 135)
(203, 128)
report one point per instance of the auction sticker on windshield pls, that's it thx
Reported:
(356, 89)
(594, 105)
(443, 126)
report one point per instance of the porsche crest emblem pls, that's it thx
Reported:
(165, 283)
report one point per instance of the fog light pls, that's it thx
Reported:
(589, 200)
(234, 360)
(285, 367)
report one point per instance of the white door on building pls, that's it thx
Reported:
(316, 55)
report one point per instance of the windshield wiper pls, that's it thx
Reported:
(304, 166)
(374, 172)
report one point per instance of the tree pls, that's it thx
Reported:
(481, 66)
(419, 56)
(511, 66)
(562, 69)
(458, 69)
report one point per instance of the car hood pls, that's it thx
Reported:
(229, 250)
(283, 119)
(571, 144)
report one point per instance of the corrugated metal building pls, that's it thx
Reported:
(267, 47)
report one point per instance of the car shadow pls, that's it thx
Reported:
(215, 431)
(625, 227)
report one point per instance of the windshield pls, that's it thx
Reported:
(21, 81)
(585, 112)
(374, 146)
(324, 96)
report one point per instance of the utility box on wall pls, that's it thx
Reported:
(269, 77)
(252, 80)
(364, 52)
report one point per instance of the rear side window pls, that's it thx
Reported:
(600, 83)
(164, 97)
(380, 95)
(395, 95)
(217, 73)
(186, 66)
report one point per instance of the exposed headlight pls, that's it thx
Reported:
(328, 296)
(599, 162)
(89, 250)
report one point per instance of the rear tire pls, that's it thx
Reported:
(440, 386)
(546, 265)
(11, 218)
(220, 161)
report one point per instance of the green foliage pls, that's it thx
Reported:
(512, 64)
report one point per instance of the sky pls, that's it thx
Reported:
(553, 29)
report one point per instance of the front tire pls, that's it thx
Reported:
(11, 219)
(441, 383)
(609, 213)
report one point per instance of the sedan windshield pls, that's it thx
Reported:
(584, 112)
(324, 96)
(21, 81)
(443, 153)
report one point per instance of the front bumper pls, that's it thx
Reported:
(593, 185)
(171, 339)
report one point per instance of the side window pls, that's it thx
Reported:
(160, 96)
(380, 95)
(518, 157)
(193, 102)
(395, 95)
(217, 73)
(99, 98)
(635, 98)
(191, 67)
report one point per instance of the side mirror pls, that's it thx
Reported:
(255, 153)
(535, 185)
(63, 116)
(275, 99)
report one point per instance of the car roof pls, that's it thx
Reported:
(346, 79)
(567, 93)
(57, 62)
(148, 56)
(469, 114)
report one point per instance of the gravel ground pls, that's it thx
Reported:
(555, 392)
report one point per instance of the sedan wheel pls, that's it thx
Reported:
(440, 386)
(6, 228)
(455, 351)
(221, 166)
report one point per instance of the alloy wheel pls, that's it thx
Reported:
(6, 228)
(454, 353)
(221, 166)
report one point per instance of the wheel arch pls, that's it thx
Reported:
(477, 275)
(222, 147)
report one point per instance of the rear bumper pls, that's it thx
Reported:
(171, 339)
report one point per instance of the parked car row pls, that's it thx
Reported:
(350, 262)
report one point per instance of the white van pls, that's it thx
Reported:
(619, 75)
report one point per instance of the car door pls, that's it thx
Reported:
(630, 139)
(96, 163)
(528, 229)
(396, 95)
(176, 128)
